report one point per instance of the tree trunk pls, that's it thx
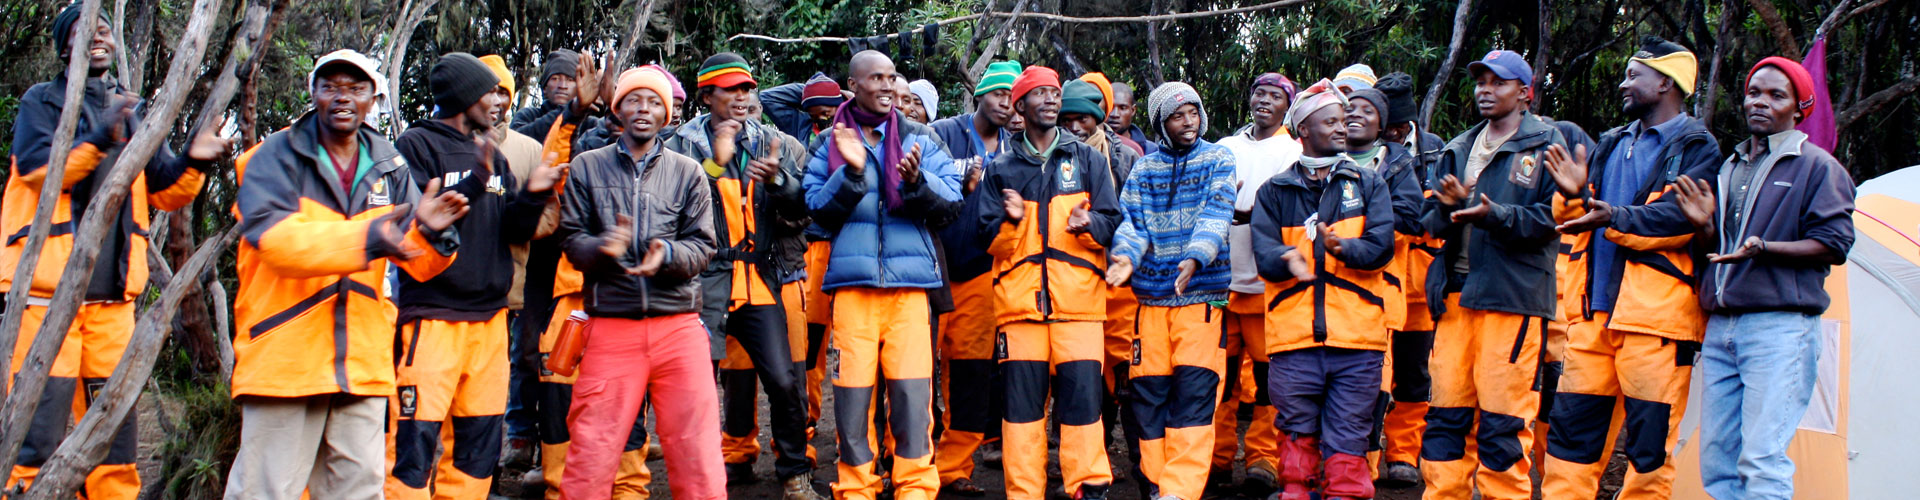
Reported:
(83, 449)
(1777, 26)
(1461, 15)
(100, 214)
(1540, 52)
(43, 215)
(642, 14)
(1725, 41)
(1156, 74)
(396, 54)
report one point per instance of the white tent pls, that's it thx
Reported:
(1860, 437)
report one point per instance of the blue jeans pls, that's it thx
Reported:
(522, 373)
(1758, 373)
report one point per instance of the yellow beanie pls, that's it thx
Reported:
(1669, 59)
(499, 67)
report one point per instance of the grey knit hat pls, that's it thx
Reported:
(1168, 97)
(559, 62)
(459, 80)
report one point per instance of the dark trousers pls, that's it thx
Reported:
(1327, 392)
(762, 333)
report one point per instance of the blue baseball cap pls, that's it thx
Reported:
(1506, 64)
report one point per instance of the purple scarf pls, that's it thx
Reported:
(853, 117)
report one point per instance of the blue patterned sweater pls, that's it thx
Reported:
(1178, 208)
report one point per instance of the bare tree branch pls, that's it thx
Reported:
(1874, 102)
(67, 469)
(1782, 35)
(1725, 42)
(1017, 13)
(1461, 15)
(1834, 18)
(100, 214)
(396, 54)
(42, 223)
(642, 14)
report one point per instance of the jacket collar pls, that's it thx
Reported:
(1063, 141)
(1533, 132)
(1781, 146)
(1293, 176)
(304, 137)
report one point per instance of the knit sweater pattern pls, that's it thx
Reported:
(1178, 207)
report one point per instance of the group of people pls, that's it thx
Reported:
(1382, 305)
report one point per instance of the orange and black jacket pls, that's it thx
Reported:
(1404, 172)
(1513, 250)
(314, 312)
(499, 215)
(1043, 273)
(1655, 263)
(167, 182)
(1344, 305)
(748, 216)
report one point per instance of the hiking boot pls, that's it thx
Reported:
(1091, 492)
(1219, 478)
(800, 488)
(1400, 475)
(654, 452)
(990, 454)
(518, 455)
(1261, 479)
(738, 474)
(963, 487)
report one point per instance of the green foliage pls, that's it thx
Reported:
(193, 461)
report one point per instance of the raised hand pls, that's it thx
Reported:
(1187, 268)
(548, 175)
(209, 145)
(587, 82)
(1696, 200)
(391, 229)
(1599, 214)
(1332, 242)
(1569, 171)
(1452, 192)
(910, 165)
(1119, 269)
(1748, 249)
(764, 168)
(121, 109)
(438, 209)
(1079, 219)
(852, 148)
(1297, 265)
(484, 148)
(1015, 205)
(1474, 213)
(724, 134)
(650, 264)
(614, 242)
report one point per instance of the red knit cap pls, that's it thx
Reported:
(1802, 82)
(1032, 78)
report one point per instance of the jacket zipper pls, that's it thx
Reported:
(1044, 299)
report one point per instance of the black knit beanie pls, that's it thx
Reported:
(1379, 100)
(63, 28)
(459, 80)
(1398, 88)
(559, 62)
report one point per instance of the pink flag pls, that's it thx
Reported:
(1819, 126)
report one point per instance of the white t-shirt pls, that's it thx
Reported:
(1255, 162)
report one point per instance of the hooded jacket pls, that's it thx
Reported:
(500, 214)
(873, 247)
(1345, 305)
(1655, 260)
(666, 195)
(1515, 246)
(167, 182)
(1802, 193)
(1178, 206)
(1041, 272)
(312, 311)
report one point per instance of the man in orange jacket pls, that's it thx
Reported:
(102, 327)
(1050, 205)
(323, 209)
(1325, 229)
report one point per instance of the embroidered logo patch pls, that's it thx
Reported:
(1523, 172)
(409, 401)
(377, 194)
(1069, 181)
(1348, 200)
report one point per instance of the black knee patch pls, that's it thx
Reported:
(476, 444)
(1546, 381)
(1195, 398)
(1076, 389)
(970, 391)
(49, 422)
(816, 334)
(637, 437)
(413, 444)
(741, 388)
(1579, 430)
(1027, 387)
(1147, 408)
(1260, 383)
(1233, 378)
(850, 406)
(1412, 383)
(555, 400)
(1646, 429)
(1499, 441)
(911, 402)
(1446, 436)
